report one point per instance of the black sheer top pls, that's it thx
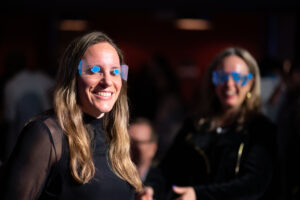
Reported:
(39, 166)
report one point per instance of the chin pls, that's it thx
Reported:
(230, 102)
(104, 109)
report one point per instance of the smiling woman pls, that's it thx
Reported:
(235, 84)
(81, 149)
(227, 150)
(99, 89)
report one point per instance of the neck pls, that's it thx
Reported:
(228, 116)
(96, 115)
(143, 167)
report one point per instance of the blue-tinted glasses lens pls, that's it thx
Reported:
(219, 77)
(116, 71)
(95, 69)
(236, 76)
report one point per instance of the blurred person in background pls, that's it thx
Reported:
(26, 93)
(273, 86)
(287, 121)
(144, 142)
(81, 149)
(158, 87)
(13, 62)
(225, 151)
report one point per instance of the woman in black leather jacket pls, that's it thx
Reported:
(227, 151)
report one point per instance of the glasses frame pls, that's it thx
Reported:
(96, 68)
(220, 77)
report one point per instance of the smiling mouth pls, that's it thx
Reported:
(230, 93)
(103, 94)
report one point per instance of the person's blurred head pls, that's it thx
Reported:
(143, 140)
(232, 82)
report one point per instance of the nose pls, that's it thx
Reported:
(106, 79)
(230, 81)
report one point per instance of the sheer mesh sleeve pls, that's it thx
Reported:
(25, 173)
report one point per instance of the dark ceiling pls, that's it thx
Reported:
(150, 5)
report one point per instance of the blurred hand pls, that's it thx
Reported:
(147, 194)
(186, 193)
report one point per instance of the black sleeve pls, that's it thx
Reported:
(256, 169)
(170, 160)
(181, 161)
(24, 174)
(157, 182)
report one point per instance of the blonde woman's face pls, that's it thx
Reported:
(232, 94)
(99, 82)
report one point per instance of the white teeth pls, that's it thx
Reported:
(230, 92)
(104, 94)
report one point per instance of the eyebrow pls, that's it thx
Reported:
(116, 67)
(242, 73)
(102, 65)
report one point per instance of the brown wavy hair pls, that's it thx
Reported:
(211, 106)
(70, 118)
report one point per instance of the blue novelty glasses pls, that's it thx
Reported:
(93, 71)
(220, 77)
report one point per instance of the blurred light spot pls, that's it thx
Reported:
(193, 24)
(73, 25)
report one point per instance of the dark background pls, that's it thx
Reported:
(144, 28)
(145, 32)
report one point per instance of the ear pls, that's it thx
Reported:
(154, 146)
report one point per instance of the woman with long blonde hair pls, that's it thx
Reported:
(81, 150)
(227, 150)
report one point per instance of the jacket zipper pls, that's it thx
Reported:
(238, 162)
(206, 161)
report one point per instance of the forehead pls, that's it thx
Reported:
(234, 64)
(140, 131)
(101, 52)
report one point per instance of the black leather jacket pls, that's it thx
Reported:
(229, 163)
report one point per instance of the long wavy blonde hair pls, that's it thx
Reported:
(69, 115)
(210, 105)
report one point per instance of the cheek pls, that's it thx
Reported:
(83, 86)
(118, 86)
(145, 149)
(245, 90)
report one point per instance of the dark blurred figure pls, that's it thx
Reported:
(289, 137)
(26, 93)
(154, 94)
(226, 151)
(13, 63)
(144, 142)
(273, 85)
